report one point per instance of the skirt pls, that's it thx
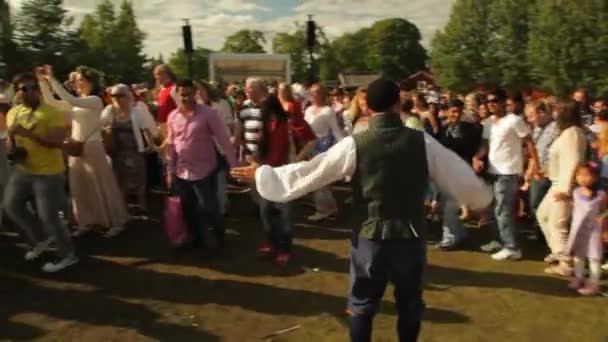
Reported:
(96, 198)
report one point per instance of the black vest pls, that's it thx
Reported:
(390, 180)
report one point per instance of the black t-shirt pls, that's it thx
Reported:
(463, 138)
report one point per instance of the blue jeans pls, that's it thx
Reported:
(453, 229)
(538, 190)
(276, 220)
(506, 188)
(200, 206)
(48, 197)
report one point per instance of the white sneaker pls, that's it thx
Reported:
(492, 247)
(316, 217)
(507, 254)
(52, 267)
(114, 231)
(605, 266)
(81, 230)
(37, 251)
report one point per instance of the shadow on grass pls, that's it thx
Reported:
(84, 307)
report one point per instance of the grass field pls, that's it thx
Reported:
(136, 288)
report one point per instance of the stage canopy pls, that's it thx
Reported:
(236, 67)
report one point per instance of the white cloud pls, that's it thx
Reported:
(213, 20)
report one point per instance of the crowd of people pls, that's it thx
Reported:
(545, 159)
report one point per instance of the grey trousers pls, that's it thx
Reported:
(48, 196)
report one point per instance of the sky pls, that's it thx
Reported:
(213, 20)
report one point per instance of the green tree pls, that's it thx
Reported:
(129, 45)
(245, 41)
(507, 42)
(8, 58)
(350, 50)
(394, 48)
(43, 33)
(178, 61)
(457, 54)
(113, 43)
(567, 45)
(295, 45)
(97, 32)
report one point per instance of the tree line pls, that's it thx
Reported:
(110, 40)
(552, 45)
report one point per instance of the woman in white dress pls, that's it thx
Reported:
(96, 198)
(324, 124)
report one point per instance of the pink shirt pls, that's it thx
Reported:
(191, 153)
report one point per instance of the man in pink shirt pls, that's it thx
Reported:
(192, 163)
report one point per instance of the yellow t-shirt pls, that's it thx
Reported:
(40, 160)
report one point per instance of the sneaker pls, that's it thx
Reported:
(265, 250)
(37, 251)
(491, 247)
(81, 230)
(590, 289)
(282, 259)
(52, 267)
(316, 217)
(114, 231)
(576, 283)
(605, 267)
(507, 254)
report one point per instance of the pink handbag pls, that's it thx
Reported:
(175, 225)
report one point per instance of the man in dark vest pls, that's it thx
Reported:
(391, 166)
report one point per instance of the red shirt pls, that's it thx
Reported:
(294, 109)
(166, 104)
(278, 139)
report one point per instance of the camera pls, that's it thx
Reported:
(17, 154)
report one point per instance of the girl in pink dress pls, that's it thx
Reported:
(585, 239)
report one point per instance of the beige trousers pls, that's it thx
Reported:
(554, 218)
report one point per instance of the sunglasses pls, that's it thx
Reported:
(25, 89)
(118, 95)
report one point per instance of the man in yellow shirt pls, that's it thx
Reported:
(36, 134)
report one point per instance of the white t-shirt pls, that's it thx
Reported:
(505, 138)
(323, 122)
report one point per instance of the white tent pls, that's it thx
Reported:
(236, 67)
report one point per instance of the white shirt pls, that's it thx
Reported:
(85, 111)
(286, 183)
(505, 138)
(323, 121)
(140, 119)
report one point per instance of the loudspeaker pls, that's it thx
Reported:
(187, 34)
(311, 35)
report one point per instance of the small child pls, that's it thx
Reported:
(585, 238)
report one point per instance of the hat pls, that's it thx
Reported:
(120, 89)
(382, 95)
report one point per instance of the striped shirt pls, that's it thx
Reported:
(251, 118)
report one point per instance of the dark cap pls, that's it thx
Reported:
(455, 103)
(498, 95)
(382, 95)
(336, 92)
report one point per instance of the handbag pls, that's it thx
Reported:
(174, 223)
(75, 148)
